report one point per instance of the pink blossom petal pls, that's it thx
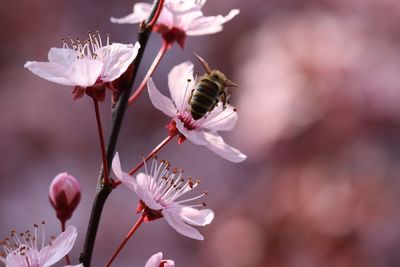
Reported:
(194, 136)
(183, 7)
(169, 263)
(117, 58)
(125, 178)
(176, 222)
(166, 18)
(53, 72)
(144, 193)
(137, 185)
(184, 22)
(85, 72)
(179, 87)
(58, 248)
(62, 56)
(160, 101)
(218, 146)
(116, 166)
(221, 120)
(141, 11)
(79, 265)
(154, 260)
(193, 216)
(18, 260)
(209, 25)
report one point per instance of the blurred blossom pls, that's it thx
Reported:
(240, 238)
(159, 192)
(23, 250)
(309, 68)
(157, 261)
(64, 195)
(204, 130)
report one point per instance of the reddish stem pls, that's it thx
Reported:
(66, 256)
(156, 14)
(131, 232)
(101, 138)
(164, 48)
(151, 154)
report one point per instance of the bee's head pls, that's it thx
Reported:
(216, 75)
(220, 78)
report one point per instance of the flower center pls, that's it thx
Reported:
(89, 48)
(22, 249)
(167, 186)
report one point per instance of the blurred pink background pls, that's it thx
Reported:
(319, 118)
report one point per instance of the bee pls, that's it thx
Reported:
(208, 91)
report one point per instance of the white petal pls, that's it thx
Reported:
(79, 265)
(143, 192)
(62, 56)
(179, 87)
(125, 178)
(116, 59)
(177, 223)
(154, 260)
(196, 217)
(59, 247)
(184, 21)
(17, 260)
(209, 25)
(85, 72)
(141, 11)
(53, 72)
(182, 7)
(221, 120)
(166, 17)
(219, 147)
(169, 263)
(194, 136)
(160, 101)
(116, 166)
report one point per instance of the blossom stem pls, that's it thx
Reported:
(63, 230)
(127, 237)
(164, 48)
(156, 13)
(149, 156)
(101, 138)
(118, 112)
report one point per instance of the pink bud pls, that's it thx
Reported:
(64, 195)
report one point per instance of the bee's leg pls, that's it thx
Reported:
(214, 105)
(224, 99)
(191, 95)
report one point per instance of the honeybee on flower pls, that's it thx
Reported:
(202, 131)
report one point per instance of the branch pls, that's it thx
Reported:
(125, 83)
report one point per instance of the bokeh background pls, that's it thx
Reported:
(319, 118)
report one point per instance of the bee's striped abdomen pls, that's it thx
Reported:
(203, 98)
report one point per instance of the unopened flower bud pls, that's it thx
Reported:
(64, 195)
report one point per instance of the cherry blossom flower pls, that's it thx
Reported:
(22, 249)
(159, 192)
(157, 261)
(179, 18)
(64, 195)
(204, 130)
(88, 66)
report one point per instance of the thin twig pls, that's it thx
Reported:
(102, 145)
